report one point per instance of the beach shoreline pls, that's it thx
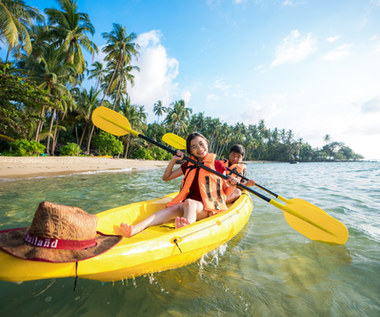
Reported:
(18, 167)
(14, 167)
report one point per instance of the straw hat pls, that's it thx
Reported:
(58, 233)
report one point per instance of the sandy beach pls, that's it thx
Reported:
(24, 167)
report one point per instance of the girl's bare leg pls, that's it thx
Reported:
(193, 211)
(159, 217)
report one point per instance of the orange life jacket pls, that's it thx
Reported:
(238, 168)
(213, 188)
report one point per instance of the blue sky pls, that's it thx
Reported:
(309, 66)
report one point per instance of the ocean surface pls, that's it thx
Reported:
(269, 269)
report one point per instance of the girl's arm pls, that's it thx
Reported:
(169, 174)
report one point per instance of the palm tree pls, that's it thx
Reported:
(136, 116)
(15, 17)
(87, 102)
(214, 132)
(225, 139)
(198, 122)
(178, 117)
(91, 133)
(30, 64)
(120, 81)
(70, 28)
(97, 72)
(159, 109)
(41, 39)
(51, 73)
(120, 50)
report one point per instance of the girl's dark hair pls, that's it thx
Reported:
(191, 137)
(238, 148)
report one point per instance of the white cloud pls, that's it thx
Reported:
(339, 52)
(221, 85)
(158, 71)
(294, 48)
(265, 108)
(212, 97)
(292, 3)
(259, 67)
(373, 38)
(100, 56)
(371, 106)
(333, 39)
(186, 96)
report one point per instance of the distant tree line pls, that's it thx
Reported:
(45, 109)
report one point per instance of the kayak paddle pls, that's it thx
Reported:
(313, 223)
(295, 203)
(180, 144)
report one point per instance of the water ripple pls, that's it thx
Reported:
(269, 269)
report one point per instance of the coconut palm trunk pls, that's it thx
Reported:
(89, 138)
(82, 136)
(55, 137)
(127, 146)
(40, 125)
(50, 130)
(110, 83)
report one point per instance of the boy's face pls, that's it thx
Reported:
(235, 158)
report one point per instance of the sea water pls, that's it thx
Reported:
(268, 269)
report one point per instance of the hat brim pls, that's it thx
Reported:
(12, 242)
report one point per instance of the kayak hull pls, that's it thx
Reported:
(155, 249)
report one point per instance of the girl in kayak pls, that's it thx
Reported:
(202, 193)
(233, 165)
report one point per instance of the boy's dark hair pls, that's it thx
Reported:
(191, 137)
(238, 148)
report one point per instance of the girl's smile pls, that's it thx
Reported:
(199, 147)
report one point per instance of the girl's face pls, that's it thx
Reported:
(235, 158)
(199, 147)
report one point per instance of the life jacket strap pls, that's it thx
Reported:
(208, 189)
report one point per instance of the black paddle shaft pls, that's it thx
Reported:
(174, 152)
(245, 178)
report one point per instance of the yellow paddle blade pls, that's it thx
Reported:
(111, 121)
(313, 222)
(175, 141)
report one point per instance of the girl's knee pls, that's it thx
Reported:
(176, 209)
(188, 203)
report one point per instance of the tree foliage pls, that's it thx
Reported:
(42, 97)
(107, 144)
(20, 101)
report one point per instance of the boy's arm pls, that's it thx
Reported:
(249, 182)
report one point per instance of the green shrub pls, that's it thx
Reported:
(70, 149)
(107, 144)
(160, 154)
(24, 147)
(168, 156)
(141, 153)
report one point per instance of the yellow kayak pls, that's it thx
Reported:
(155, 249)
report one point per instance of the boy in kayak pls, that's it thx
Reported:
(202, 193)
(234, 167)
